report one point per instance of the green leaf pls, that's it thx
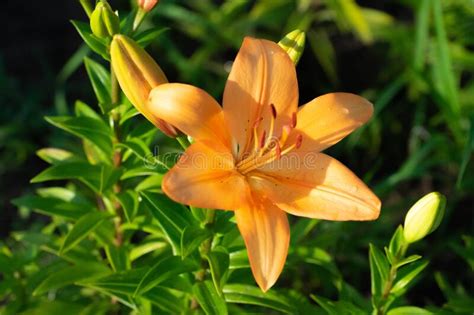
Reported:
(412, 310)
(83, 227)
(167, 268)
(100, 80)
(396, 243)
(407, 260)
(406, 275)
(324, 51)
(379, 269)
(56, 307)
(219, 261)
(151, 184)
(71, 275)
(148, 246)
(447, 87)
(52, 206)
(349, 17)
(87, 128)
(117, 257)
(421, 34)
(339, 307)
(239, 259)
(97, 177)
(138, 172)
(124, 282)
(301, 229)
(92, 41)
(246, 294)
(141, 150)
(129, 202)
(208, 298)
(64, 194)
(191, 238)
(171, 301)
(55, 155)
(81, 109)
(147, 37)
(172, 217)
(467, 153)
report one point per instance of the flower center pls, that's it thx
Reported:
(268, 147)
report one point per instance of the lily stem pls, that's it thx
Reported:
(117, 157)
(204, 250)
(391, 278)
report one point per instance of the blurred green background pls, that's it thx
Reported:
(414, 59)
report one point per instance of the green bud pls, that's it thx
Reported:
(293, 44)
(424, 217)
(104, 22)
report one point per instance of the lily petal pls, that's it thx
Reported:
(262, 74)
(191, 110)
(203, 176)
(266, 233)
(315, 185)
(329, 118)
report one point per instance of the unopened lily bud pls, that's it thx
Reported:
(104, 22)
(293, 44)
(147, 5)
(424, 217)
(137, 74)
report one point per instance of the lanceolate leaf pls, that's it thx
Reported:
(87, 128)
(209, 299)
(169, 300)
(218, 260)
(378, 270)
(412, 310)
(70, 275)
(338, 308)
(246, 294)
(93, 42)
(117, 257)
(83, 227)
(147, 37)
(98, 177)
(55, 155)
(165, 269)
(81, 109)
(406, 276)
(396, 242)
(100, 80)
(129, 202)
(52, 206)
(191, 238)
(171, 217)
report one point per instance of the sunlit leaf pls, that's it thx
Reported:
(100, 80)
(71, 275)
(82, 228)
(167, 268)
(246, 294)
(211, 302)
(191, 238)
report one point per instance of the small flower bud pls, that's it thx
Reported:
(293, 44)
(147, 5)
(137, 74)
(424, 217)
(104, 22)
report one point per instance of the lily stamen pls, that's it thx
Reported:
(252, 163)
(272, 129)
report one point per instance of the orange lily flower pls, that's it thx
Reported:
(260, 156)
